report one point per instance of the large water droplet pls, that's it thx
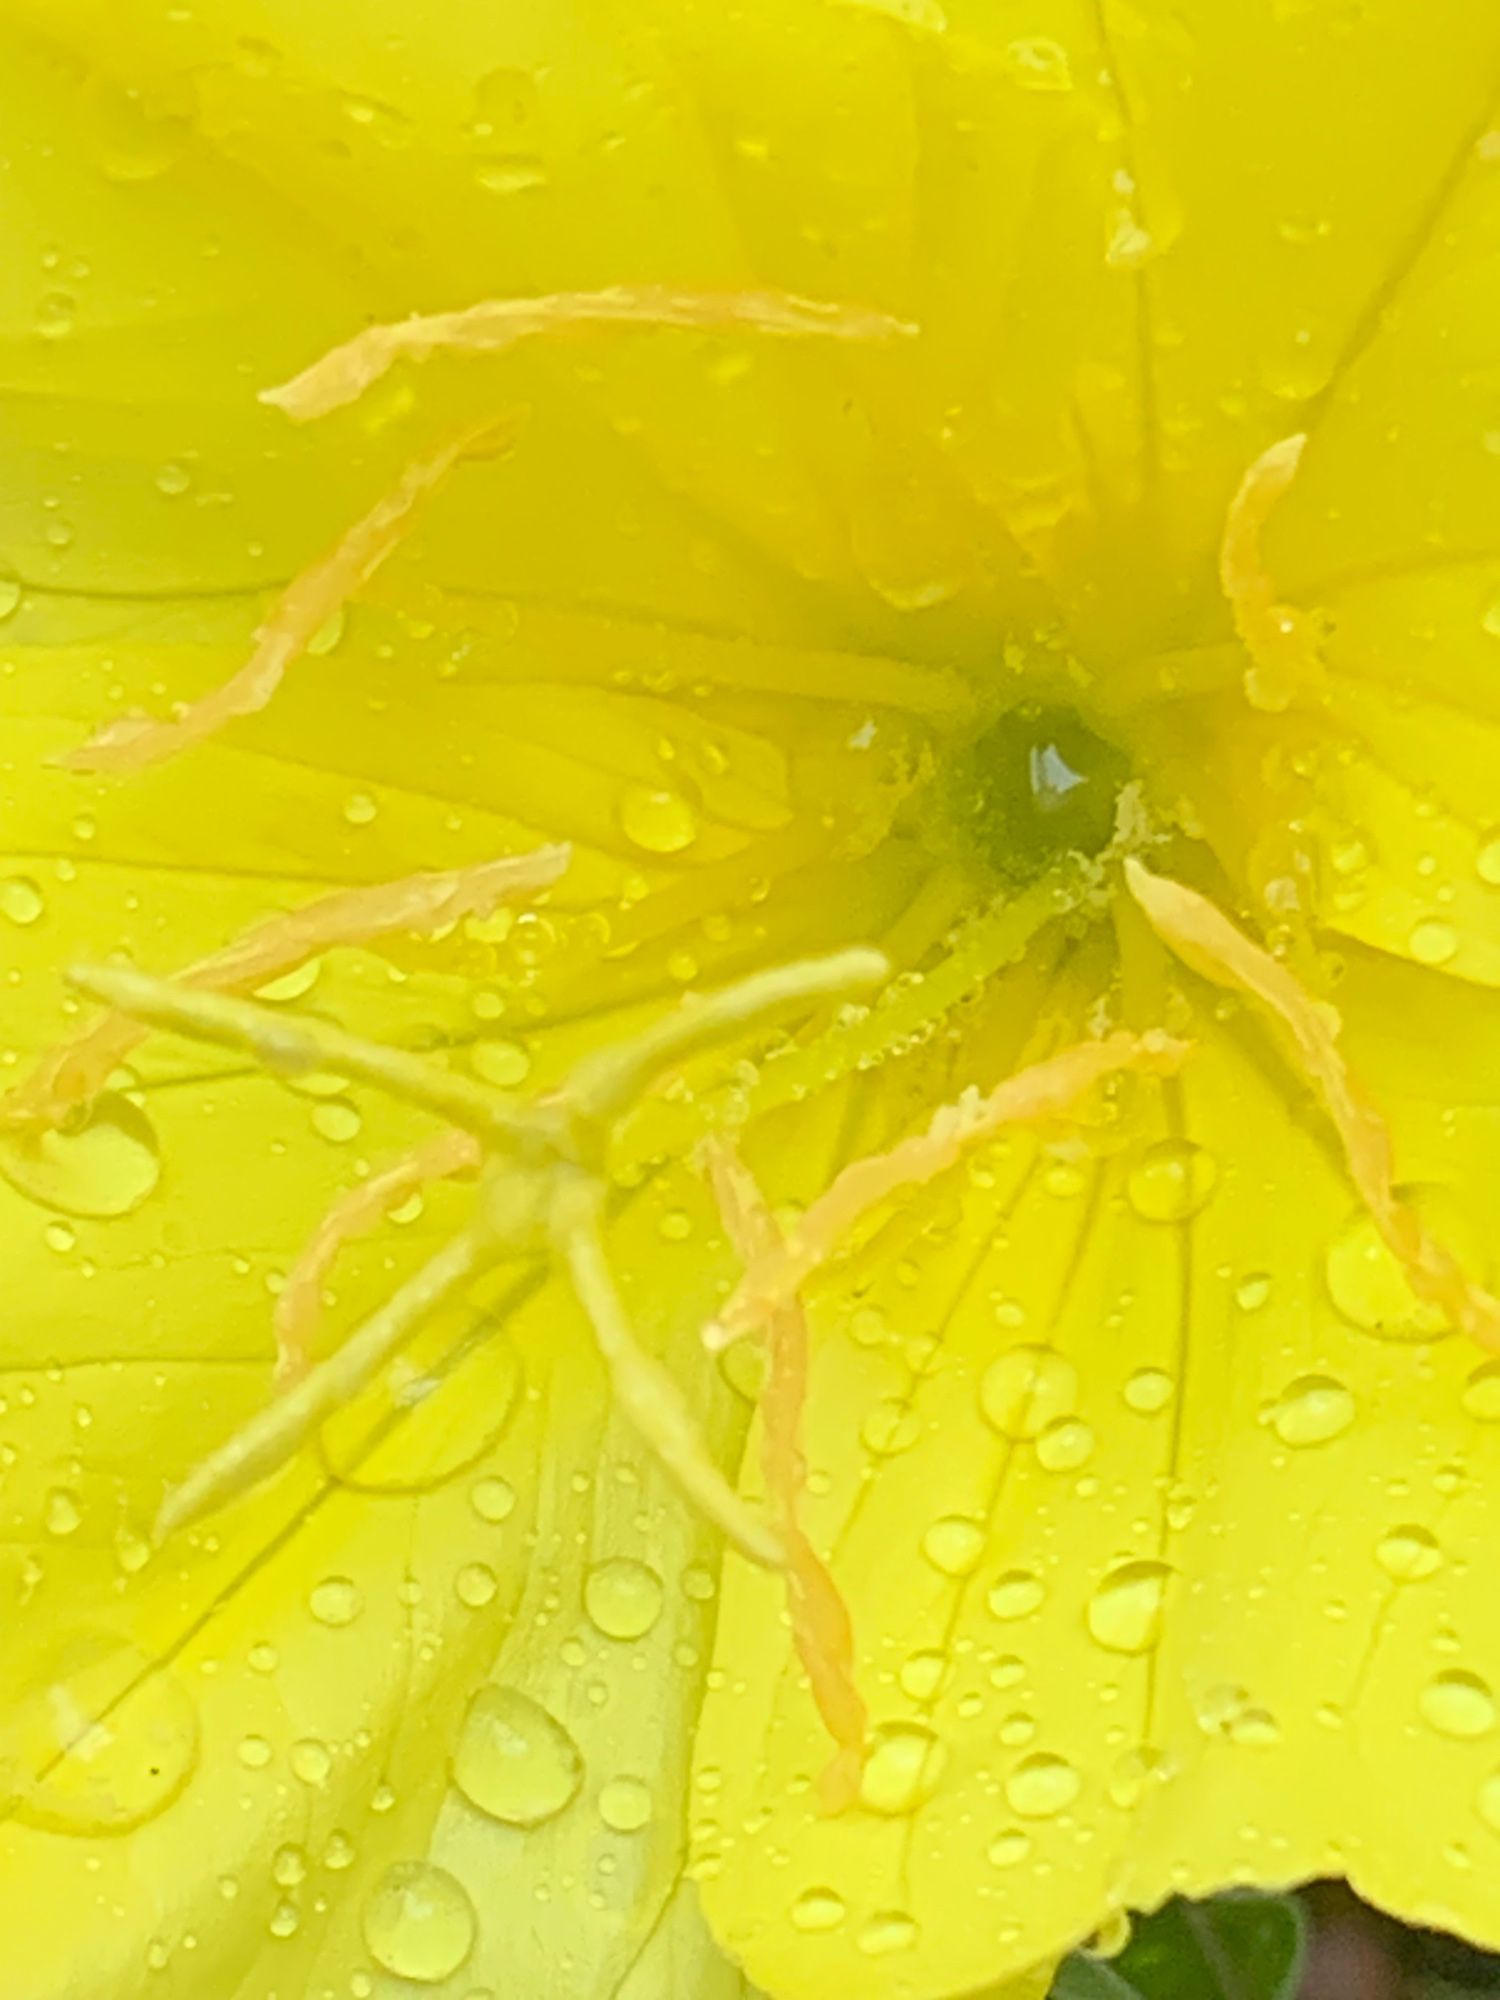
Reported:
(656, 819)
(1041, 1786)
(1172, 1181)
(1065, 1445)
(1026, 1389)
(419, 1923)
(1458, 1704)
(1409, 1553)
(886, 1933)
(954, 1544)
(625, 1805)
(514, 1761)
(21, 900)
(1312, 1410)
(105, 1166)
(623, 1598)
(1124, 1613)
(818, 1910)
(902, 1770)
(1016, 1593)
(104, 1743)
(1148, 1391)
(337, 1600)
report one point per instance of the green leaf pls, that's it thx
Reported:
(1233, 1947)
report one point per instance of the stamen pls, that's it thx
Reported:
(1204, 939)
(294, 1046)
(131, 742)
(822, 1631)
(1280, 639)
(75, 1072)
(1044, 1090)
(344, 374)
(355, 1214)
(646, 1392)
(273, 1436)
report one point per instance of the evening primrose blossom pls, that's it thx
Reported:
(750, 908)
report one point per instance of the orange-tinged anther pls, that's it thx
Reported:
(1044, 1090)
(76, 1071)
(357, 1213)
(347, 371)
(1205, 939)
(1279, 638)
(131, 742)
(822, 1631)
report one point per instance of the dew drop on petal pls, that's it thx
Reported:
(623, 1598)
(476, 1585)
(887, 1932)
(1026, 1389)
(21, 900)
(902, 1770)
(1008, 1849)
(656, 819)
(1312, 1410)
(954, 1544)
(1015, 1593)
(504, 1064)
(1481, 1396)
(1064, 1445)
(1486, 862)
(493, 1500)
(1125, 1612)
(1171, 1181)
(818, 1910)
(1487, 1801)
(102, 1743)
(922, 1675)
(337, 1600)
(106, 1166)
(1432, 942)
(1036, 62)
(419, 1923)
(1148, 1391)
(1409, 1553)
(514, 1761)
(625, 1805)
(1458, 1704)
(1041, 1786)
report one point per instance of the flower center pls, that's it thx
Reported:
(1037, 784)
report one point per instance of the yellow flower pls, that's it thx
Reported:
(964, 530)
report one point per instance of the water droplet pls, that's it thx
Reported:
(1026, 1389)
(360, 809)
(660, 821)
(1016, 1593)
(922, 1675)
(886, 1933)
(1458, 1704)
(818, 1910)
(1432, 942)
(103, 1742)
(1065, 1445)
(254, 1752)
(1409, 1553)
(493, 1500)
(289, 1866)
(1125, 1612)
(1008, 1849)
(311, 1761)
(1172, 1181)
(902, 1770)
(1131, 1775)
(329, 634)
(625, 1805)
(515, 1761)
(337, 1600)
(954, 1544)
(475, 1585)
(56, 315)
(21, 900)
(1366, 1281)
(173, 480)
(1481, 1396)
(106, 1166)
(60, 1515)
(1251, 1293)
(1312, 1410)
(1037, 63)
(338, 1851)
(285, 1918)
(419, 1923)
(1487, 1801)
(1041, 1786)
(1148, 1391)
(511, 173)
(504, 1064)
(1487, 861)
(337, 1120)
(10, 596)
(891, 1426)
(623, 1598)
